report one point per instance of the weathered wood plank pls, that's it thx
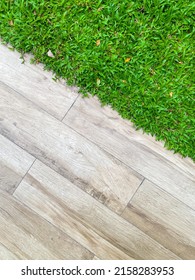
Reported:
(80, 215)
(32, 237)
(34, 84)
(164, 218)
(141, 152)
(14, 163)
(70, 154)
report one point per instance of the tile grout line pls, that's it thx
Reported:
(69, 109)
(24, 175)
(133, 196)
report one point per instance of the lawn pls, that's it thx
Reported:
(137, 56)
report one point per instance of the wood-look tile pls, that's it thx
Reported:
(5, 254)
(141, 152)
(84, 218)
(70, 154)
(32, 237)
(14, 163)
(35, 85)
(39, 183)
(164, 218)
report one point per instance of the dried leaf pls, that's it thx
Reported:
(97, 42)
(50, 54)
(152, 72)
(127, 59)
(100, 8)
(171, 94)
(11, 23)
(98, 82)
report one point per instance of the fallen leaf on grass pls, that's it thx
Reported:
(171, 94)
(100, 8)
(127, 59)
(98, 82)
(97, 42)
(11, 23)
(50, 54)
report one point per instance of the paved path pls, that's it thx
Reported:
(79, 182)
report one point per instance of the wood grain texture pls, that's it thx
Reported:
(31, 237)
(5, 254)
(78, 214)
(96, 258)
(44, 184)
(82, 198)
(35, 85)
(104, 127)
(14, 163)
(74, 157)
(164, 218)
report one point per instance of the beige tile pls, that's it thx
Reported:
(14, 163)
(89, 222)
(31, 237)
(164, 218)
(34, 84)
(141, 152)
(70, 154)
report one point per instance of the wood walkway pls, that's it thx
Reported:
(78, 182)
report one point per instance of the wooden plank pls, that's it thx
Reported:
(14, 163)
(31, 237)
(5, 254)
(164, 218)
(85, 219)
(34, 84)
(70, 154)
(141, 152)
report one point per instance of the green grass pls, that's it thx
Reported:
(136, 56)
